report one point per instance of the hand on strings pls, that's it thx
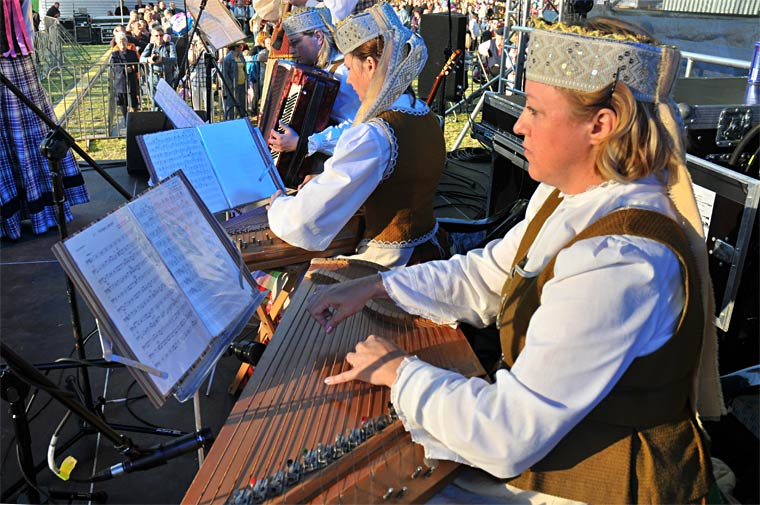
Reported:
(273, 198)
(285, 142)
(329, 305)
(306, 180)
(376, 360)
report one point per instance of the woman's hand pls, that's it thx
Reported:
(285, 142)
(305, 180)
(376, 360)
(273, 198)
(331, 304)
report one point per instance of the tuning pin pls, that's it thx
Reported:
(323, 454)
(259, 491)
(417, 472)
(392, 412)
(293, 473)
(239, 497)
(367, 428)
(381, 422)
(388, 493)
(310, 461)
(355, 438)
(401, 492)
(341, 444)
(276, 484)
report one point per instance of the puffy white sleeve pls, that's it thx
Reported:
(315, 215)
(340, 8)
(326, 140)
(463, 288)
(612, 299)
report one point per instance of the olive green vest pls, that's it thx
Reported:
(401, 207)
(641, 443)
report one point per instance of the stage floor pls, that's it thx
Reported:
(35, 323)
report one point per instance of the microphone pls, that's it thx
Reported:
(247, 351)
(159, 455)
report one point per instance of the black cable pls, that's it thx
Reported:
(37, 488)
(742, 145)
(138, 418)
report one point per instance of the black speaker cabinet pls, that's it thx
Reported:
(83, 34)
(434, 29)
(140, 123)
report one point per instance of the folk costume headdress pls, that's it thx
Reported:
(303, 20)
(582, 60)
(404, 55)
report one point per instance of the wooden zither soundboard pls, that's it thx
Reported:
(296, 440)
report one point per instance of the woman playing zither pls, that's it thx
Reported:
(601, 295)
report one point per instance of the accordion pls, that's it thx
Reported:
(301, 97)
(261, 249)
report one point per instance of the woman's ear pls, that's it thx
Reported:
(603, 124)
(370, 65)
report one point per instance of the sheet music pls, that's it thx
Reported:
(176, 109)
(195, 256)
(242, 171)
(173, 150)
(216, 23)
(137, 291)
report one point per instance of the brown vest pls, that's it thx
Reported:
(641, 443)
(401, 207)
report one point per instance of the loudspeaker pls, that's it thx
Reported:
(83, 34)
(434, 29)
(140, 123)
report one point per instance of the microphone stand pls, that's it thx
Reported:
(447, 52)
(17, 377)
(211, 59)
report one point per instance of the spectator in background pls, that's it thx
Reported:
(25, 186)
(54, 11)
(196, 57)
(161, 57)
(124, 66)
(139, 36)
(121, 9)
(474, 31)
(233, 73)
(416, 19)
(139, 7)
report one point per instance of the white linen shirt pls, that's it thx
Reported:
(343, 112)
(612, 298)
(314, 216)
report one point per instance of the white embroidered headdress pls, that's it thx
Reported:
(302, 20)
(404, 55)
(573, 58)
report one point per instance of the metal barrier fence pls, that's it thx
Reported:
(86, 101)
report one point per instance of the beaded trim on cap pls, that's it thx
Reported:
(403, 58)
(303, 20)
(572, 60)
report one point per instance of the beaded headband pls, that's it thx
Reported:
(307, 19)
(588, 63)
(403, 58)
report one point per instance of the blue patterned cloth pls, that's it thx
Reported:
(25, 185)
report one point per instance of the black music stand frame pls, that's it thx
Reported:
(210, 58)
(54, 147)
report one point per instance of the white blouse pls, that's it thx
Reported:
(343, 112)
(612, 299)
(313, 217)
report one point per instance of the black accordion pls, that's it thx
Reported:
(301, 97)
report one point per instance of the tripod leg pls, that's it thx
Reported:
(14, 392)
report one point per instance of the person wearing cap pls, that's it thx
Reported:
(388, 162)
(601, 296)
(310, 34)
